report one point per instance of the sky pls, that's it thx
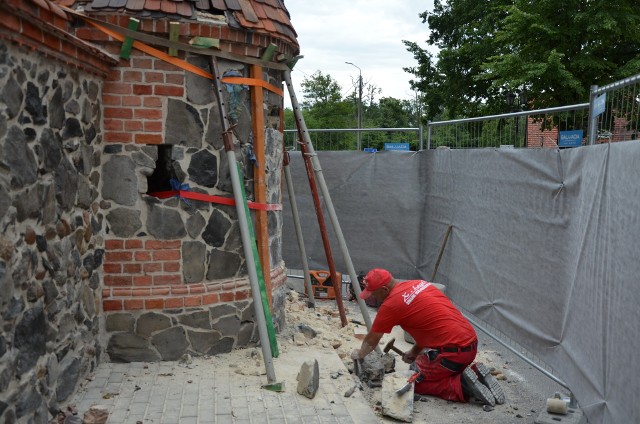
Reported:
(367, 33)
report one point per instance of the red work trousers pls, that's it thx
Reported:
(443, 379)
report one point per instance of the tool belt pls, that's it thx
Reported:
(452, 349)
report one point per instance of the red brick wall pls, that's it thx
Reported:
(147, 274)
(134, 92)
(133, 98)
(538, 137)
(43, 26)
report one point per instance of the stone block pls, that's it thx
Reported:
(399, 407)
(370, 370)
(309, 378)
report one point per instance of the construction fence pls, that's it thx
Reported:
(542, 247)
(369, 139)
(612, 115)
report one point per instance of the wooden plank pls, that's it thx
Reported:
(174, 32)
(127, 44)
(269, 52)
(259, 178)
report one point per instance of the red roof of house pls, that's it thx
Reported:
(262, 16)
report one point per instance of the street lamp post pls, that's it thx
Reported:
(516, 102)
(359, 105)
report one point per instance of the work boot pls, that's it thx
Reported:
(486, 378)
(471, 386)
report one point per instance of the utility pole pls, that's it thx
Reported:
(359, 105)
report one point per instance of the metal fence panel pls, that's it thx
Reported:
(347, 138)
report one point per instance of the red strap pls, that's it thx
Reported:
(214, 199)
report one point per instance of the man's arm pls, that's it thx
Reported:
(411, 355)
(369, 343)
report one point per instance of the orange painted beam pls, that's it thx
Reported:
(259, 179)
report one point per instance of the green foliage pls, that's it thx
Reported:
(553, 50)
(320, 90)
(323, 108)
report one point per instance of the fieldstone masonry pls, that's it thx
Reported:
(51, 246)
(95, 263)
(174, 254)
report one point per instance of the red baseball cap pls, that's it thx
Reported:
(375, 279)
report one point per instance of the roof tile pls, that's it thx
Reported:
(245, 23)
(202, 4)
(99, 4)
(153, 5)
(169, 7)
(184, 9)
(262, 16)
(233, 4)
(248, 12)
(135, 5)
(218, 4)
(257, 7)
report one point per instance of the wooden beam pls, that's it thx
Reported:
(174, 33)
(268, 53)
(259, 179)
(127, 44)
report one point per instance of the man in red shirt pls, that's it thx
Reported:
(445, 342)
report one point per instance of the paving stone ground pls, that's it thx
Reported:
(227, 388)
(211, 390)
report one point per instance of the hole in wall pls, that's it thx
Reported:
(160, 179)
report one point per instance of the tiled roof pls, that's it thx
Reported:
(268, 16)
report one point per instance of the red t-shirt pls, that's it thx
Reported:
(426, 313)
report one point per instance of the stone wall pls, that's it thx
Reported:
(95, 263)
(51, 244)
(177, 256)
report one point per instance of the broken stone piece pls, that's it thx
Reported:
(309, 378)
(309, 332)
(370, 369)
(397, 406)
(97, 414)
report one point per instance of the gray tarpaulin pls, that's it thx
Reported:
(544, 247)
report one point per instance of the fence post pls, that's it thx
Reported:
(593, 120)
(428, 135)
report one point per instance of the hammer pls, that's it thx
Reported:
(389, 346)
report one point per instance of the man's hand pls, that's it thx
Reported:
(369, 343)
(409, 357)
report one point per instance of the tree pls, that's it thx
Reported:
(320, 89)
(553, 50)
(323, 107)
